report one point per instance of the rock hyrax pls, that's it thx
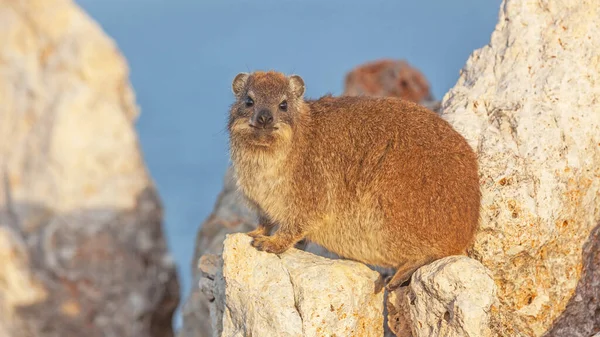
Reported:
(378, 180)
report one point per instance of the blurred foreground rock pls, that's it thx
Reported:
(81, 246)
(450, 297)
(387, 77)
(529, 102)
(293, 294)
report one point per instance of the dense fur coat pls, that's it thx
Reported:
(382, 181)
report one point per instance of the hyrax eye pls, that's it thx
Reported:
(249, 102)
(283, 106)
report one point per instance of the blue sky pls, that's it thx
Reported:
(183, 55)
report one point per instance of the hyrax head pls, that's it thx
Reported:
(267, 108)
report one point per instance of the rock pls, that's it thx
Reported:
(294, 294)
(528, 103)
(398, 321)
(230, 215)
(81, 243)
(389, 78)
(211, 285)
(582, 314)
(452, 296)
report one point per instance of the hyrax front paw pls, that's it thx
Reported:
(256, 233)
(269, 244)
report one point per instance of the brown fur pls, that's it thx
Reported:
(380, 180)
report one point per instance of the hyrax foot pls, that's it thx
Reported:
(269, 244)
(404, 273)
(260, 231)
(391, 284)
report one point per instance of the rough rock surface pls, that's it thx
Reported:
(230, 215)
(582, 315)
(387, 77)
(449, 297)
(292, 294)
(528, 103)
(81, 243)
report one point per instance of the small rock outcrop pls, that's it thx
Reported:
(529, 104)
(81, 245)
(230, 215)
(387, 77)
(292, 294)
(450, 297)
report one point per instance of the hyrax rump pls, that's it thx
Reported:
(381, 180)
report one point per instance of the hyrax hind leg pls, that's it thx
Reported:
(405, 271)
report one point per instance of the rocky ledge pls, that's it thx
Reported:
(292, 294)
(252, 293)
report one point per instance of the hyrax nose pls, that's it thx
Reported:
(264, 118)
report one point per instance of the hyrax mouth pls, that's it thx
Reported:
(262, 136)
(263, 129)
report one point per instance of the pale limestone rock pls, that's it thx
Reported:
(212, 287)
(293, 294)
(81, 246)
(582, 316)
(398, 313)
(450, 297)
(529, 104)
(230, 215)
(67, 110)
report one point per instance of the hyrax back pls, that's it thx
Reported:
(379, 180)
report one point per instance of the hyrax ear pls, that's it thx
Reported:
(297, 85)
(239, 82)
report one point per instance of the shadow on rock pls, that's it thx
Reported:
(582, 314)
